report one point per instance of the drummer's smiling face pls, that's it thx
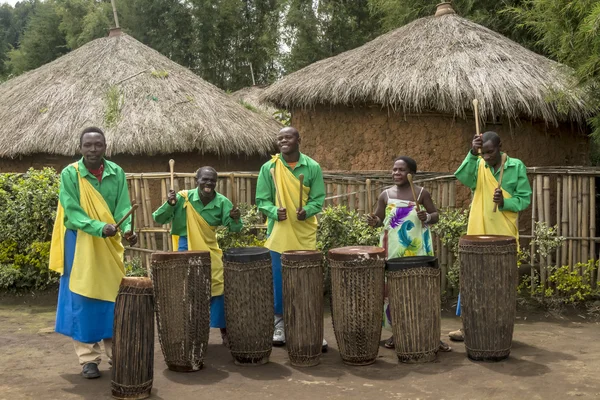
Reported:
(400, 173)
(207, 181)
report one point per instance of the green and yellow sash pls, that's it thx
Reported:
(98, 264)
(291, 234)
(482, 219)
(202, 236)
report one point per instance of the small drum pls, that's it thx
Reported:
(249, 304)
(488, 295)
(302, 275)
(415, 307)
(182, 291)
(133, 340)
(357, 284)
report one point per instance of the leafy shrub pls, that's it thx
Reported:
(250, 235)
(134, 267)
(26, 220)
(450, 227)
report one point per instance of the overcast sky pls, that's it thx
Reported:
(12, 2)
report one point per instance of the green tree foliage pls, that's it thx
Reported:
(569, 30)
(41, 42)
(83, 20)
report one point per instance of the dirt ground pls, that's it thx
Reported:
(551, 359)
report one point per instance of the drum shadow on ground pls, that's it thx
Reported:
(208, 375)
(330, 366)
(93, 389)
(271, 371)
(524, 349)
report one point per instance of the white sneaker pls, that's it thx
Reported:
(325, 346)
(279, 333)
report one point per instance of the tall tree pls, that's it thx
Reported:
(83, 20)
(41, 42)
(302, 36)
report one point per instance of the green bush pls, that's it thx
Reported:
(134, 267)
(250, 235)
(450, 227)
(26, 220)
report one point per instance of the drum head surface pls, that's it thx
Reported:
(397, 264)
(299, 255)
(487, 239)
(247, 254)
(351, 253)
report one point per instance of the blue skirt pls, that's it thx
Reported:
(217, 303)
(82, 318)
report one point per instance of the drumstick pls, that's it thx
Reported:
(369, 199)
(301, 178)
(276, 191)
(412, 188)
(476, 110)
(172, 169)
(133, 207)
(500, 180)
(232, 179)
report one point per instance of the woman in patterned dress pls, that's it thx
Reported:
(406, 231)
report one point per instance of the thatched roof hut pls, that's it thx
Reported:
(411, 91)
(249, 96)
(147, 104)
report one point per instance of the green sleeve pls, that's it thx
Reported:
(226, 220)
(123, 203)
(521, 198)
(265, 193)
(316, 196)
(69, 199)
(467, 172)
(165, 213)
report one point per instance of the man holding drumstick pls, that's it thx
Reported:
(86, 249)
(494, 210)
(289, 227)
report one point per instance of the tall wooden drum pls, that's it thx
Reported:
(249, 304)
(488, 295)
(415, 307)
(182, 290)
(302, 274)
(133, 340)
(357, 284)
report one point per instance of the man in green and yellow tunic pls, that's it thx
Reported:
(289, 226)
(86, 249)
(481, 175)
(195, 214)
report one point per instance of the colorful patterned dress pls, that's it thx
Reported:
(404, 235)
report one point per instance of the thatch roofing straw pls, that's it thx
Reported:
(438, 64)
(159, 106)
(250, 95)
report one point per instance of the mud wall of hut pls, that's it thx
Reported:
(370, 138)
(184, 162)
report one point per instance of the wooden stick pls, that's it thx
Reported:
(476, 111)
(412, 188)
(369, 205)
(301, 178)
(233, 199)
(501, 176)
(133, 207)
(172, 171)
(275, 185)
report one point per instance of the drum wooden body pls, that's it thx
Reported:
(415, 307)
(182, 291)
(302, 274)
(249, 304)
(357, 285)
(488, 295)
(133, 340)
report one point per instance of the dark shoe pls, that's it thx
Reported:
(110, 362)
(325, 346)
(389, 344)
(90, 371)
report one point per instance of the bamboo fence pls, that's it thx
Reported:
(565, 197)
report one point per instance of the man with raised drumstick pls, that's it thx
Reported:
(194, 215)
(289, 227)
(86, 249)
(500, 191)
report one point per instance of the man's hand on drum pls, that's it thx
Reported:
(281, 214)
(235, 213)
(498, 197)
(131, 237)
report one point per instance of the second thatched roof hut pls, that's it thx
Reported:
(410, 92)
(151, 109)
